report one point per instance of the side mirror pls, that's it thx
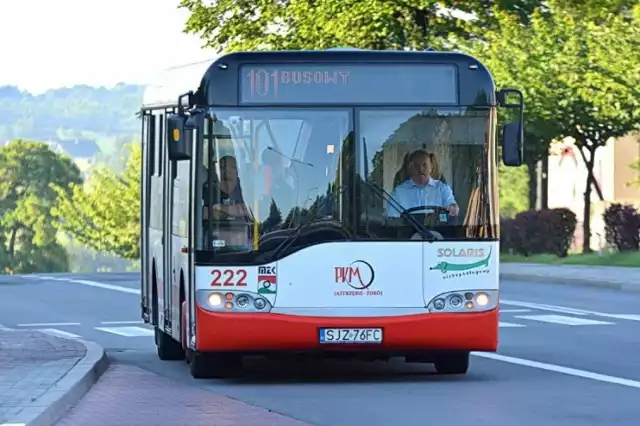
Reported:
(177, 138)
(512, 144)
(512, 133)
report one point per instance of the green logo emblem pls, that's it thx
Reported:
(445, 267)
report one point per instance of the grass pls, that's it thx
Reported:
(631, 260)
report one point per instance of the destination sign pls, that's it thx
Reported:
(349, 84)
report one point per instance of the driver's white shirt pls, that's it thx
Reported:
(409, 194)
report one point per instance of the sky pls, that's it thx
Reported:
(47, 44)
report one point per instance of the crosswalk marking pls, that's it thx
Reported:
(127, 331)
(513, 311)
(60, 333)
(560, 319)
(510, 324)
(120, 322)
(48, 324)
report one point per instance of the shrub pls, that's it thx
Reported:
(506, 235)
(622, 227)
(541, 231)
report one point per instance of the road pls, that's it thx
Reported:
(568, 356)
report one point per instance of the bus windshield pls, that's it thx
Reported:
(264, 171)
(432, 163)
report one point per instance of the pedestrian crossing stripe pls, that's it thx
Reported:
(127, 331)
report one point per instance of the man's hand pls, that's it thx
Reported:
(454, 210)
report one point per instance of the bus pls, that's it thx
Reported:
(330, 203)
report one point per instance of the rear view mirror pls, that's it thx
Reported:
(512, 144)
(512, 137)
(177, 139)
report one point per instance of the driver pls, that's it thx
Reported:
(230, 201)
(421, 189)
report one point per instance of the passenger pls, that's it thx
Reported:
(421, 189)
(230, 201)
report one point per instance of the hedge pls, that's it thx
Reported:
(538, 231)
(622, 227)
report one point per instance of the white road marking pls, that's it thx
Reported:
(510, 324)
(127, 331)
(513, 311)
(93, 284)
(565, 310)
(622, 316)
(56, 332)
(48, 324)
(560, 319)
(544, 307)
(121, 322)
(4, 328)
(13, 424)
(559, 369)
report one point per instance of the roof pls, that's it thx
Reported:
(199, 77)
(165, 88)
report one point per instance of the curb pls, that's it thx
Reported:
(48, 409)
(576, 282)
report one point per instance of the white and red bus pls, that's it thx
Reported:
(340, 202)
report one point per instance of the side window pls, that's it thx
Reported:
(158, 143)
(149, 140)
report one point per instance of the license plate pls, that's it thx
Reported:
(350, 335)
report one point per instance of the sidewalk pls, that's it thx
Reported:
(129, 395)
(610, 277)
(42, 376)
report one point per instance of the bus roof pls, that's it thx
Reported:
(167, 86)
(163, 90)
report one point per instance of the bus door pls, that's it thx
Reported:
(145, 264)
(167, 234)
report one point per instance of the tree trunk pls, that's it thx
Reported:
(586, 222)
(12, 242)
(544, 183)
(533, 184)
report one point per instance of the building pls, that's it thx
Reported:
(567, 179)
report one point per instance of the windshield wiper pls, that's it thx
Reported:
(293, 237)
(382, 193)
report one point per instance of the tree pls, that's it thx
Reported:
(601, 94)
(232, 25)
(104, 213)
(28, 238)
(554, 61)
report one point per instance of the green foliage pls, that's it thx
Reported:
(80, 112)
(514, 190)
(104, 214)
(233, 25)
(28, 240)
(576, 83)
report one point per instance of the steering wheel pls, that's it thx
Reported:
(437, 209)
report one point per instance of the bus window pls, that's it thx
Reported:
(282, 170)
(453, 140)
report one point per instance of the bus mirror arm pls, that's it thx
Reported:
(512, 134)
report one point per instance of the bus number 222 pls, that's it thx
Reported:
(225, 278)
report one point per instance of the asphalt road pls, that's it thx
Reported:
(568, 356)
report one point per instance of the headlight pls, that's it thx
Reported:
(242, 301)
(482, 299)
(215, 299)
(259, 304)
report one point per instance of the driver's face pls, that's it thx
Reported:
(420, 170)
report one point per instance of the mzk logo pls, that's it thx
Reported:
(267, 280)
(458, 269)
